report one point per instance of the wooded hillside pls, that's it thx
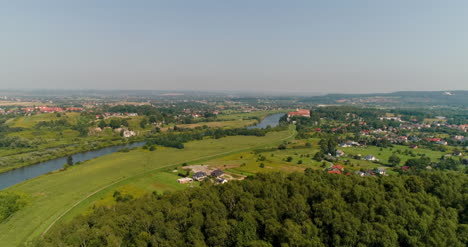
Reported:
(277, 209)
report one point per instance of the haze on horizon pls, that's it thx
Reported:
(294, 46)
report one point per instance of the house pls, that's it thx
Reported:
(442, 142)
(221, 180)
(370, 158)
(334, 172)
(199, 176)
(129, 133)
(344, 145)
(184, 180)
(458, 138)
(414, 146)
(337, 167)
(361, 174)
(217, 173)
(402, 139)
(457, 152)
(339, 153)
(380, 171)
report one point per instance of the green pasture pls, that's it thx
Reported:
(246, 115)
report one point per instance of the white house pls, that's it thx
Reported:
(370, 158)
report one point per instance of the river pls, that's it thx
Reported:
(272, 120)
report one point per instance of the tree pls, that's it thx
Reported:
(319, 156)
(102, 124)
(70, 160)
(114, 123)
(394, 160)
(124, 122)
(143, 123)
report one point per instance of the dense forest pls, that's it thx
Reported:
(278, 209)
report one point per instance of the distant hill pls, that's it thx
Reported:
(408, 98)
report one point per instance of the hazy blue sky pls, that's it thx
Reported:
(317, 46)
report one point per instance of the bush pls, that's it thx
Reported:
(11, 202)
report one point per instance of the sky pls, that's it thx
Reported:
(327, 46)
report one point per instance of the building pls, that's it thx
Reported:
(129, 133)
(339, 153)
(442, 142)
(337, 167)
(75, 109)
(381, 171)
(184, 180)
(370, 158)
(199, 176)
(217, 173)
(299, 113)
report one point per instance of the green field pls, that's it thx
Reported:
(246, 115)
(248, 163)
(63, 194)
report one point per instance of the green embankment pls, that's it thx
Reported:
(63, 194)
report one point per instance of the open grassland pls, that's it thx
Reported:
(384, 153)
(31, 121)
(247, 115)
(70, 192)
(221, 124)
